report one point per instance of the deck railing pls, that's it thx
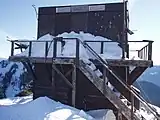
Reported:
(144, 53)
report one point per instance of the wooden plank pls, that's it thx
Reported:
(109, 94)
(58, 60)
(74, 86)
(63, 77)
(53, 80)
(69, 60)
(122, 62)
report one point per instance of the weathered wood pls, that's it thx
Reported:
(65, 60)
(12, 48)
(53, 79)
(64, 78)
(109, 94)
(74, 86)
(104, 78)
(123, 62)
(55, 48)
(135, 74)
(132, 107)
(46, 49)
(58, 60)
(30, 49)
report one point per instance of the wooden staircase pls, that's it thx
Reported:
(108, 93)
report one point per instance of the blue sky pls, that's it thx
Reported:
(18, 20)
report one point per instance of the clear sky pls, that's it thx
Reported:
(18, 20)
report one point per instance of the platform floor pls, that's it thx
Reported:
(60, 60)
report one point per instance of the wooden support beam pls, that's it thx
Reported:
(63, 77)
(69, 60)
(53, 80)
(132, 107)
(135, 74)
(104, 78)
(57, 60)
(123, 62)
(71, 70)
(74, 87)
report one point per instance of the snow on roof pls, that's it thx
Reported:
(111, 49)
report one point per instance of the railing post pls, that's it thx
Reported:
(30, 48)
(75, 73)
(74, 77)
(132, 106)
(104, 79)
(12, 48)
(77, 52)
(46, 49)
(150, 50)
(55, 48)
(123, 50)
(127, 50)
(102, 47)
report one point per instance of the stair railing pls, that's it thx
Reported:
(133, 92)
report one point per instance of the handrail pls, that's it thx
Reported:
(144, 53)
(105, 64)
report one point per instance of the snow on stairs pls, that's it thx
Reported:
(108, 93)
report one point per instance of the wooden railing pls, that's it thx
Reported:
(145, 53)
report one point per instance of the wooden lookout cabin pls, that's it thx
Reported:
(70, 80)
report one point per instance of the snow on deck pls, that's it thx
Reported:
(111, 49)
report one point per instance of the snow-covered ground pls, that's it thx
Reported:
(10, 80)
(43, 108)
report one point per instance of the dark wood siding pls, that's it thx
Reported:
(108, 23)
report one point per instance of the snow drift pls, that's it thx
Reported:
(43, 108)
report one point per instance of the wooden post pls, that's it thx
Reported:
(119, 115)
(102, 47)
(30, 48)
(74, 86)
(75, 73)
(123, 50)
(77, 52)
(46, 49)
(55, 48)
(53, 80)
(104, 79)
(150, 50)
(132, 107)
(12, 48)
(53, 66)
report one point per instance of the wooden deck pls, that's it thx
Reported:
(65, 60)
